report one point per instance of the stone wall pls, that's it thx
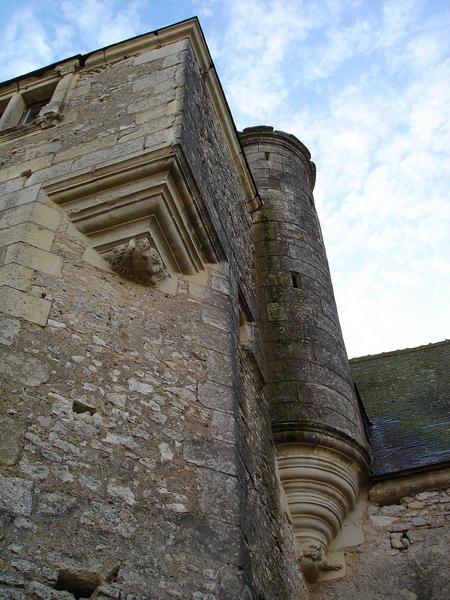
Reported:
(394, 551)
(204, 144)
(136, 454)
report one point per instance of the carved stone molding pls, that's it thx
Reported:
(321, 487)
(148, 196)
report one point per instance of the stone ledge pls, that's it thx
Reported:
(391, 490)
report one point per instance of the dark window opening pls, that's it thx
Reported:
(32, 111)
(296, 280)
(246, 324)
(267, 155)
(3, 105)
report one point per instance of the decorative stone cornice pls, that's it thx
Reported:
(321, 487)
(191, 30)
(149, 196)
(316, 434)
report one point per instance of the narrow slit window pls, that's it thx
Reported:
(296, 283)
(246, 325)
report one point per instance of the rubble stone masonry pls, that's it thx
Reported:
(393, 551)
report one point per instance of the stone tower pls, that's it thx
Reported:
(316, 421)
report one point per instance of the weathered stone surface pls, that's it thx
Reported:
(11, 438)
(219, 495)
(147, 442)
(15, 495)
(23, 368)
(296, 328)
(16, 303)
(43, 592)
(216, 455)
(25, 167)
(16, 277)
(33, 258)
(216, 396)
(30, 233)
(9, 593)
(9, 330)
(396, 559)
(33, 212)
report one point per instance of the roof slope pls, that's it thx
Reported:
(406, 394)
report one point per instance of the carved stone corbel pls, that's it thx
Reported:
(313, 562)
(321, 488)
(138, 261)
(48, 117)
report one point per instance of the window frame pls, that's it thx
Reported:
(23, 93)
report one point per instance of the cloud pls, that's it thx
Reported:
(103, 22)
(258, 39)
(33, 37)
(366, 87)
(25, 44)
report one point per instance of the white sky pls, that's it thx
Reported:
(365, 84)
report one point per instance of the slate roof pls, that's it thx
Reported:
(406, 394)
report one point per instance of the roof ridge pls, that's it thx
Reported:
(400, 351)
